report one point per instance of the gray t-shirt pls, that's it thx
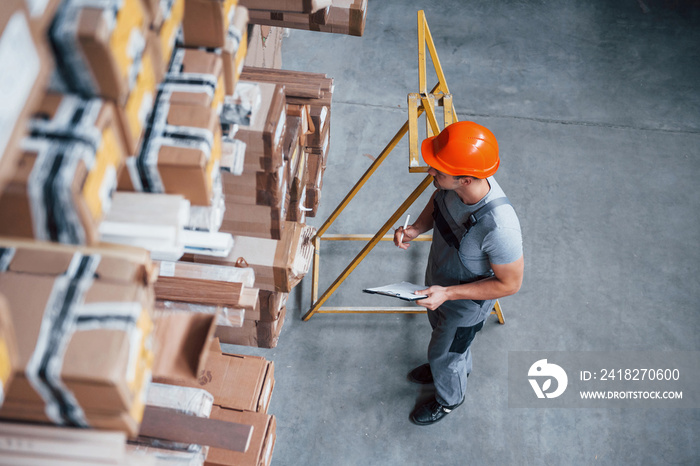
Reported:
(495, 239)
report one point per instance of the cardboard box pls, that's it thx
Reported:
(105, 357)
(264, 137)
(254, 333)
(235, 381)
(262, 443)
(134, 114)
(257, 221)
(279, 264)
(265, 46)
(271, 304)
(165, 25)
(206, 22)
(95, 365)
(298, 6)
(181, 343)
(292, 20)
(101, 342)
(66, 116)
(180, 154)
(118, 264)
(25, 66)
(346, 17)
(50, 205)
(235, 50)
(98, 50)
(197, 67)
(256, 187)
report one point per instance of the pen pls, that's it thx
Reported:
(404, 227)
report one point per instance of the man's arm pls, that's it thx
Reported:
(421, 225)
(506, 281)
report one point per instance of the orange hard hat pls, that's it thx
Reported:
(462, 148)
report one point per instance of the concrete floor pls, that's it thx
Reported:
(596, 106)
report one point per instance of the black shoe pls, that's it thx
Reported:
(431, 412)
(421, 374)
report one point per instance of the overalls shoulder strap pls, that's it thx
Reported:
(451, 231)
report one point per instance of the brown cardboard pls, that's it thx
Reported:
(206, 22)
(181, 343)
(235, 381)
(24, 71)
(254, 220)
(293, 20)
(103, 55)
(253, 332)
(95, 361)
(279, 264)
(118, 263)
(104, 420)
(197, 63)
(265, 47)
(165, 27)
(298, 6)
(271, 304)
(186, 170)
(15, 204)
(262, 443)
(265, 136)
(234, 54)
(61, 115)
(256, 187)
(139, 102)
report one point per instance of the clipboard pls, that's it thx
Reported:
(402, 290)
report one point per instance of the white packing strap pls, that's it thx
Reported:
(6, 256)
(75, 117)
(65, 38)
(190, 83)
(54, 214)
(43, 369)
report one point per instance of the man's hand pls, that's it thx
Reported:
(436, 296)
(409, 233)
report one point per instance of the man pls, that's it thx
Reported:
(476, 256)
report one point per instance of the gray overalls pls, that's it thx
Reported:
(455, 323)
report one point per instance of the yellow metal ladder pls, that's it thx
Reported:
(418, 103)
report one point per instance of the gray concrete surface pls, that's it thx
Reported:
(596, 106)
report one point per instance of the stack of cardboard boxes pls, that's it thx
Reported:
(334, 16)
(112, 128)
